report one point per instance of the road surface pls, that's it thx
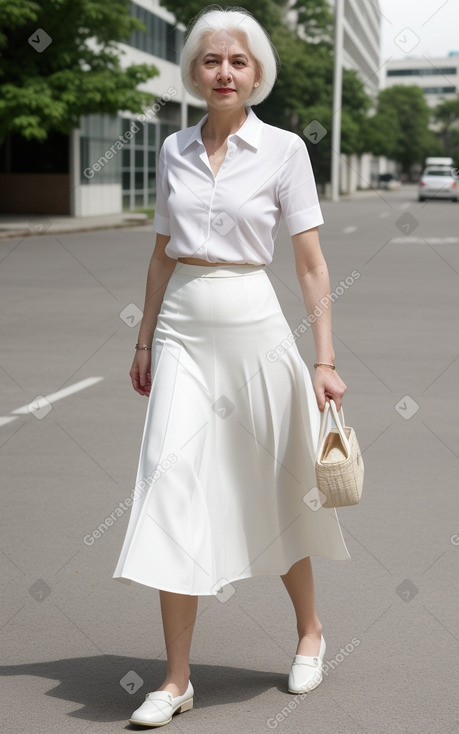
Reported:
(79, 650)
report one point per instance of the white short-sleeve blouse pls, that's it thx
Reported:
(234, 216)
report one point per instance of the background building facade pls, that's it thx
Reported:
(362, 41)
(113, 158)
(438, 78)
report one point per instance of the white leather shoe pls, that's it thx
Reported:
(159, 707)
(306, 671)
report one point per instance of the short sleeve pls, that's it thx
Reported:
(161, 218)
(297, 190)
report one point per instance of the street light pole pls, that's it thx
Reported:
(337, 100)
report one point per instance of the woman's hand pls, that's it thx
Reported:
(141, 372)
(328, 384)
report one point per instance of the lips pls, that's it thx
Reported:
(224, 90)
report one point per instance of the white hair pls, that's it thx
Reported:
(213, 19)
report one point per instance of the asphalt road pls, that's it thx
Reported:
(79, 650)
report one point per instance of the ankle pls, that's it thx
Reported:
(312, 631)
(179, 676)
(175, 684)
(309, 641)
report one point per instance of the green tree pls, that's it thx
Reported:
(314, 19)
(454, 146)
(79, 72)
(400, 127)
(304, 93)
(314, 16)
(447, 114)
(355, 105)
(381, 132)
(268, 12)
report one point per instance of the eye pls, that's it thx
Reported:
(210, 61)
(239, 62)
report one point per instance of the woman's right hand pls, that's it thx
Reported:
(140, 372)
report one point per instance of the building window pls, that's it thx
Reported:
(100, 156)
(439, 90)
(427, 71)
(122, 150)
(160, 38)
(138, 173)
(139, 164)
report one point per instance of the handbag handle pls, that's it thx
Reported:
(338, 418)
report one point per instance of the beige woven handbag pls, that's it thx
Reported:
(339, 463)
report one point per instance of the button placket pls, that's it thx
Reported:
(209, 209)
(231, 149)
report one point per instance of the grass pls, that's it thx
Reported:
(149, 211)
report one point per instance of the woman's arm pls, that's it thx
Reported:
(159, 272)
(312, 273)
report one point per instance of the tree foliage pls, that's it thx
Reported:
(304, 93)
(400, 127)
(78, 73)
(314, 19)
(447, 115)
(268, 12)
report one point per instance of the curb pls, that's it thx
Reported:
(21, 233)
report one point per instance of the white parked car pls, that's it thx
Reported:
(438, 182)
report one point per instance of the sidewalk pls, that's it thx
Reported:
(23, 225)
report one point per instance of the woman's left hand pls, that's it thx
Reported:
(328, 384)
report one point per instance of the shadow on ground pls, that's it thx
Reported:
(94, 683)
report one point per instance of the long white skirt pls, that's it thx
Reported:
(227, 454)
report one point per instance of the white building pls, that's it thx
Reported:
(113, 158)
(362, 41)
(362, 53)
(438, 78)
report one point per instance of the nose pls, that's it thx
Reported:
(224, 71)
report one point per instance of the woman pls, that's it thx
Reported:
(227, 455)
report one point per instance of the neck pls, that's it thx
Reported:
(220, 124)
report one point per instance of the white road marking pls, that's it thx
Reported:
(41, 401)
(349, 230)
(4, 419)
(425, 240)
(383, 215)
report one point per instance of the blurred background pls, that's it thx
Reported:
(88, 92)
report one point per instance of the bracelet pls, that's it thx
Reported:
(325, 364)
(141, 346)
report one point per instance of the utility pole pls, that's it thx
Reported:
(337, 100)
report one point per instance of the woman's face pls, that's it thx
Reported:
(225, 70)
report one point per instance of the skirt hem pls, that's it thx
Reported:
(129, 579)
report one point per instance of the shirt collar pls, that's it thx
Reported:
(249, 132)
